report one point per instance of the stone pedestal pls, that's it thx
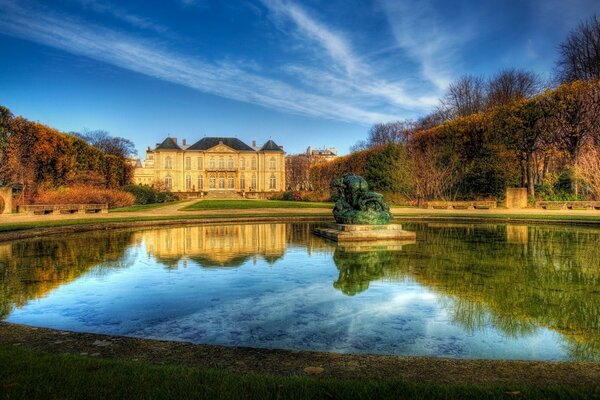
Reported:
(387, 234)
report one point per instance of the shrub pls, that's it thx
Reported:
(145, 194)
(85, 195)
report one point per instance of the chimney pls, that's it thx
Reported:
(254, 143)
(174, 140)
(184, 142)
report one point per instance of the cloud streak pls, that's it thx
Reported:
(418, 30)
(222, 79)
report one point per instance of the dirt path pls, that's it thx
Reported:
(174, 210)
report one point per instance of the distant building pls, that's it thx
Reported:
(213, 164)
(325, 154)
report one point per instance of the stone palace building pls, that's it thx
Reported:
(214, 164)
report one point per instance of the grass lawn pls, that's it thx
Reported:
(144, 207)
(247, 204)
(29, 374)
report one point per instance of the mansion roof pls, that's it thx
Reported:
(209, 142)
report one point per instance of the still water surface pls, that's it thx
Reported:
(464, 291)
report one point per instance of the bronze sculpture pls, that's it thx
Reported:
(355, 204)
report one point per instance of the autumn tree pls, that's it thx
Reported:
(297, 171)
(520, 124)
(6, 118)
(575, 118)
(587, 168)
(579, 54)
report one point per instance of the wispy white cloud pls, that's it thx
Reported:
(358, 76)
(101, 7)
(228, 80)
(419, 30)
(333, 42)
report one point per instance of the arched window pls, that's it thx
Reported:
(188, 163)
(188, 182)
(168, 182)
(230, 163)
(168, 162)
(242, 163)
(221, 182)
(272, 163)
(211, 163)
(253, 186)
(199, 162)
(211, 182)
(253, 162)
(273, 182)
(200, 182)
(242, 182)
(221, 163)
(230, 183)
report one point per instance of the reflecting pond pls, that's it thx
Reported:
(461, 290)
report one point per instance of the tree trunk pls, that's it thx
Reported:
(530, 186)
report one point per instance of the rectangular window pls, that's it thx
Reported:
(199, 162)
(188, 163)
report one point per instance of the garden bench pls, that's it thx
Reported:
(570, 205)
(462, 205)
(56, 209)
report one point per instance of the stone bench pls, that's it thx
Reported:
(568, 205)
(56, 209)
(462, 205)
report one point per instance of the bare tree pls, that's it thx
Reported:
(384, 133)
(102, 140)
(512, 84)
(465, 96)
(579, 57)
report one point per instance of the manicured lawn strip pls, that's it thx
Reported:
(507, 217)
(29, 374)
(144, 207)
(247, 204)
(70, 222)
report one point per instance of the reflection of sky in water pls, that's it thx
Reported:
(290, 304)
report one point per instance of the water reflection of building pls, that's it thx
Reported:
(216, 245)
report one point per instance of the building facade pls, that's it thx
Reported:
(213, 164)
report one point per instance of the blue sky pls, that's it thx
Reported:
(304, 73)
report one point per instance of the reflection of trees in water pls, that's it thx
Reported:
(550, 278)
(29, 269)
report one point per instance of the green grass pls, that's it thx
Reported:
(28, 374)
(252, 204)
(144, 207)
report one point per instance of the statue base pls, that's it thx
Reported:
(365, 233)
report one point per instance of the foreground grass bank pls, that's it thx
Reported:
(252, 204)
(29, 374)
